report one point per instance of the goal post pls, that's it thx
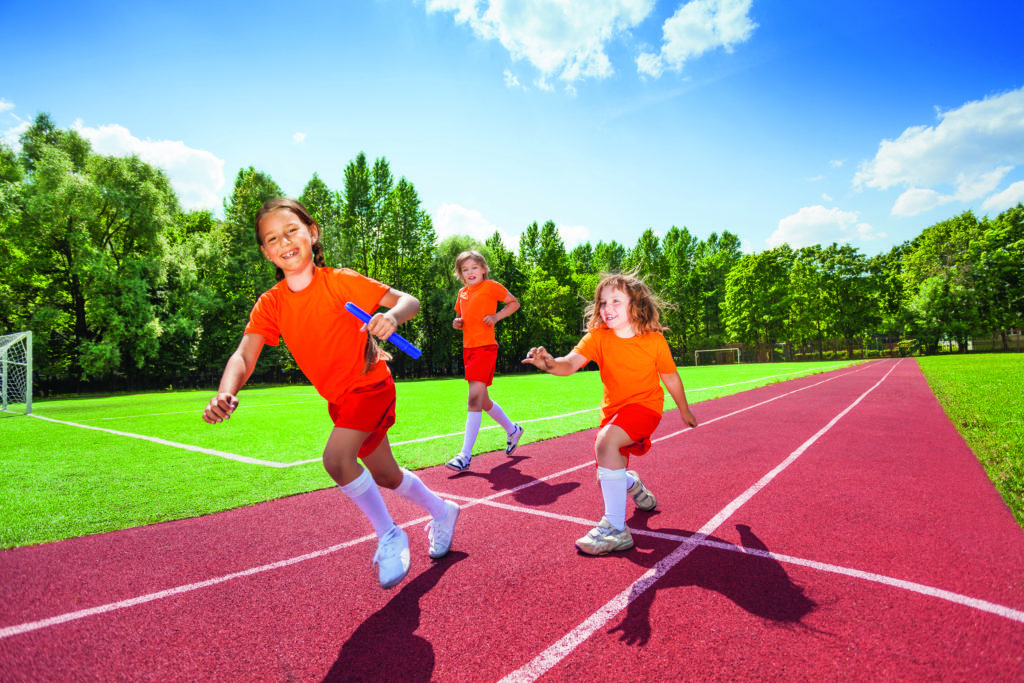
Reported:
(716, 356)
(16, 371)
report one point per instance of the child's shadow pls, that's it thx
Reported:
(385, 647)
(527, 490)
(756, 583)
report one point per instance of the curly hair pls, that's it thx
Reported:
(644, 305)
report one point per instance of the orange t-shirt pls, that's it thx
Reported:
(323, 337)
(630, 368)
(472, 305)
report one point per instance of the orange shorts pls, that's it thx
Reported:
(480, 362)
(639, 423)
(367, 409)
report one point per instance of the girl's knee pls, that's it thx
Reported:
(388, 480)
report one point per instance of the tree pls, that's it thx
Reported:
(757, 299)
(324, 207)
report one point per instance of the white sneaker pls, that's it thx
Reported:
(604, 539)
(513, 439)
(642, 495)
(441, 531)
(460, 463)
(392, 557)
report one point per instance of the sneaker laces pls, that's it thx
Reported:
(387, 549)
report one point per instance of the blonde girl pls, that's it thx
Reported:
(624, 337)
(476, 314)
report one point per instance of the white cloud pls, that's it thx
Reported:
(835, 163)
(12, 136)
(511, 81)
(196, 175)
(565, 39)
(970, 151)
(1006, 199)
(5, 105)
(573, 235)
(826, 197)
(918, 200)
(650, 64)
(697, 27)
(299, 138)
(818, 225)
(452, 219)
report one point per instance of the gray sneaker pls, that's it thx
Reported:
(642, 496)
(603, 539)
(460, 463)
(392, 557)
(441, 531)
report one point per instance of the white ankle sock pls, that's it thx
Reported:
(472, 429)
(364, 492)
(414, 490)
(613, 488)
(498, 415)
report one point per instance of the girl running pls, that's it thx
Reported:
(624, 338)
(477, 313)
(336, 352)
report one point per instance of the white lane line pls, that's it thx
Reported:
(565, 646)
(923, 589)
(102, 609)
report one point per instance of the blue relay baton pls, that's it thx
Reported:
(398, 340)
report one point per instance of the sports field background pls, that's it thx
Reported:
(62, 481)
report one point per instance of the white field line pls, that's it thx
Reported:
(295, 463)
(565, 646)
(687, 545)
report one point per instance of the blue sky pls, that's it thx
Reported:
(781, 121)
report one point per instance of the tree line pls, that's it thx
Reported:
(125, 290)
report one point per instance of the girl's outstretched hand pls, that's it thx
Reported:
(539, 357)
(220, 407)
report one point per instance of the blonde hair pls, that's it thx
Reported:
(470, 255)
(644, 305)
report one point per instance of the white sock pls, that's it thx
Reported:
(364, 492)
(629, 482)
(613, 488)
(472, 429)
(498, 415)
(414, 490)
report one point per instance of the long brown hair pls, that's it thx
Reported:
(644, 305)
(371, 352)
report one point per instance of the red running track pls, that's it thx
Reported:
(832, 527)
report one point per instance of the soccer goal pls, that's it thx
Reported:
(16, 368)
(716, 356)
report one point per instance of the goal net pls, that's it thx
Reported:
(16, 370)
(716, 356)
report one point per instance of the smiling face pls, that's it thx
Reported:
(287, 242)
(472, 273)
(613, 307)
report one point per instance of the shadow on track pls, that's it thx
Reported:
(506, 477)
(385, 647)
(757, 584)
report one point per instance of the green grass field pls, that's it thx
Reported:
(981, 394)
(63, 481)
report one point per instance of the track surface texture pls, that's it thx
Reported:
(834, 527)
